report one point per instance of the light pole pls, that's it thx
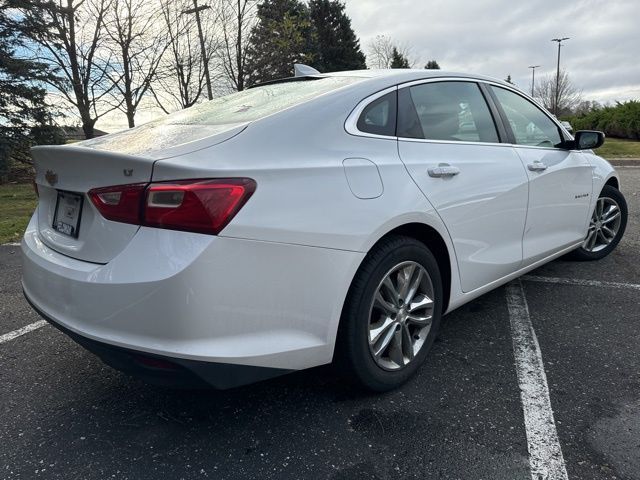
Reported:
(557, 96)
(196, 9)
(533, 78)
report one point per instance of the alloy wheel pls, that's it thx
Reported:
(604, 225)
(400, 315)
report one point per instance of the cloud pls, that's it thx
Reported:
(503, 37)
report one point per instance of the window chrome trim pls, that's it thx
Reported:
(453, 142)
(413, 83)
(351, 124)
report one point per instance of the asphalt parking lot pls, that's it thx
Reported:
(63, 414)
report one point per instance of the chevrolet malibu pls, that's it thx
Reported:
(322, 218)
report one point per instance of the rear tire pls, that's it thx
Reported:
(383, 337)
(607, 224)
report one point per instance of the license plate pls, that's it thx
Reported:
(68, 211)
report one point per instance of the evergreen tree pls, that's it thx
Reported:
(282, 36)
(339, 48)
(398, 60)
(432, 65)
(24, 115)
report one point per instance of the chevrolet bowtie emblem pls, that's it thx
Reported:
(51, 177)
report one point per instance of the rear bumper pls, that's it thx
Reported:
(196, 298)
(169, 371)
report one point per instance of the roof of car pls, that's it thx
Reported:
(376, 79)
(407, 74)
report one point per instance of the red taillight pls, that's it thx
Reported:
(203, 206)
(121, 203)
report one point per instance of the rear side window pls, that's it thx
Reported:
(530, 125)
(379, 117)
(453, 111)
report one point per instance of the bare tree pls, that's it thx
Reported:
(380, 52)
(181, 80)
(72, 44)
(137, 45)
(569, 97)
(236, 18)
(586, 106)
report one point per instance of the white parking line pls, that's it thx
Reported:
(545, 454)
(581, 282)
(21, 331)
(13, 244)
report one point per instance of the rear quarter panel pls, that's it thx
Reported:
(302, 194)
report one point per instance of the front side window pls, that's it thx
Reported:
(530, 125)
(379, 117)
(452, 111)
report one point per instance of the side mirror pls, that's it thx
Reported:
(588, 139)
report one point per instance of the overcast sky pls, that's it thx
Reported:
(502, 37)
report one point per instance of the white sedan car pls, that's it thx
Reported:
(326, 217)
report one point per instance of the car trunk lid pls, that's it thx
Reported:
(66, 173)
(68, 222)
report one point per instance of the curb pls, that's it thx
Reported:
(624, 162)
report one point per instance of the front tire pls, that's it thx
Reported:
(392, 314)
(606, 226)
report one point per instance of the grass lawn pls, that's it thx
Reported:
(17, 203)
(617, 148)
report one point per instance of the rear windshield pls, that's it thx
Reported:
(217, 116)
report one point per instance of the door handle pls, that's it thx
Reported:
(443, 170)
(537, 166)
